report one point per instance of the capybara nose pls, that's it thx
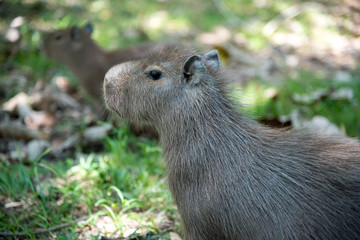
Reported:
(110, 80)
(114, 74)
(111, 75)
(114, 78)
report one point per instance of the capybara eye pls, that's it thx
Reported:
(155, 75)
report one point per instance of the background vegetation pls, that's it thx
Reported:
(293, 60)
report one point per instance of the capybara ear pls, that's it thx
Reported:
(193, 70)
(89, 28)
(212, 60)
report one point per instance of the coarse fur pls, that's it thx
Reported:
(230, 177)
(75, 48)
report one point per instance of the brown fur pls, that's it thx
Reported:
(75, 48)
(232, 178)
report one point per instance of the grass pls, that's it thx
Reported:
(128, 181)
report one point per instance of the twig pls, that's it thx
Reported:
(18, 131)
(41, 230)
(107, 238)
